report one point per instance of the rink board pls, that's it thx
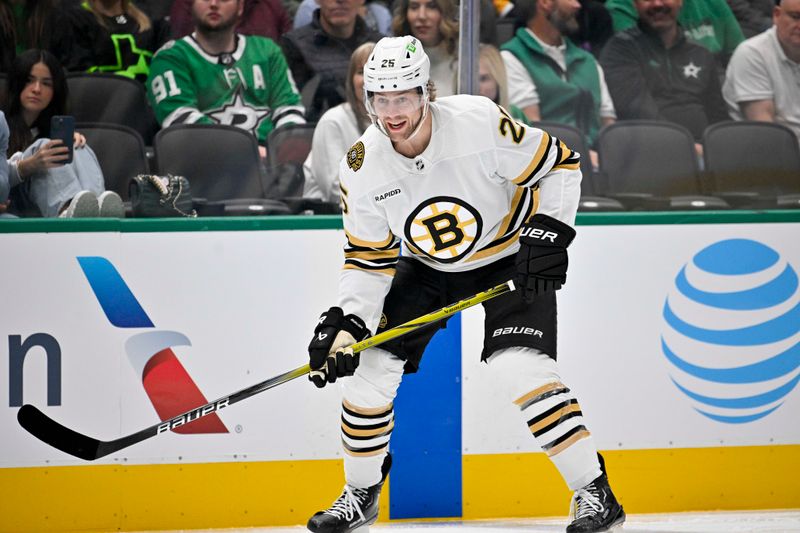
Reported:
(237, 299)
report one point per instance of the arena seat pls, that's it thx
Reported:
(112, 99)
(652, 165)
(120, 151)
(591, 199)
(222, 165)
(753, 164)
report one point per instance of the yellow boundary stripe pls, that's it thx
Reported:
(646, 481)
(280, 493)
(182, 496)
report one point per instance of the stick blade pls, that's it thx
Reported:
(54, 434)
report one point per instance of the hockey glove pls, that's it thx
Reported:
(330, 353)
(542, 257)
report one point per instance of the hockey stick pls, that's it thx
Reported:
(84, 447)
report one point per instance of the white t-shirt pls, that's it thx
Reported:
(760, 70)
(457, 206)
(335, 132)
(522, 89)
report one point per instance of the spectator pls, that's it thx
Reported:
(549, 77)
(763, 77)
(217, 76)
(655, 73)
(320, 52)
(336, 132)
(375, 14)
(267, 18)
(754, 16)
(709, 23)
(31, 24)
(113, 36)
(43, 184)
(492, 80)
(435, 24)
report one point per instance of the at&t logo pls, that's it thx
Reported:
(732, 331)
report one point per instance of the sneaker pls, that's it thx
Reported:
(594, 508)
(111, 205)
(355, 509)
(83, 205)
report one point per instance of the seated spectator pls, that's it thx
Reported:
(375, 14)
(267, 18)
(31, 24)
(43, 183)
(753, 16)
(653, 72)
(217, 76)
(709, 23)
(492, 80)
(435, 24)
(763, 77)
(320, 52)
(549, 77)
(113, 36)
(336, 132)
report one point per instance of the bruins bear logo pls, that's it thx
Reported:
(355, 156)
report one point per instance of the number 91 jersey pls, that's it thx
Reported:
(460, 204)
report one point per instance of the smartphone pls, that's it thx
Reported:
(63, 127)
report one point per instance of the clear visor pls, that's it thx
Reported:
(396, 108)
(396, 104)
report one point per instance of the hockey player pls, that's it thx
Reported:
(475, 198)
(217, 76)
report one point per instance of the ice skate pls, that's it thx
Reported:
(594, 508)
(354, 510)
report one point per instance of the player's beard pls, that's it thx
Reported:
(565, 24)
(223, 26)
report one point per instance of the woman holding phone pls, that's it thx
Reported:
(44, 180)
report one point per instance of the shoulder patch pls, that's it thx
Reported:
(355, 156)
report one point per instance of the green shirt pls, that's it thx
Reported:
(250, 88)
(709, 23)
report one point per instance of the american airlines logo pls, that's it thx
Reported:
(168, 385)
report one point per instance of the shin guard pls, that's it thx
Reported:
(551, 411)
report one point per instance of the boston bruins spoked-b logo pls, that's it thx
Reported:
(444, 228)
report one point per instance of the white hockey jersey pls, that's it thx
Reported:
(457, 206)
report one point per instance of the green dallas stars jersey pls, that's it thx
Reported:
(252, 88)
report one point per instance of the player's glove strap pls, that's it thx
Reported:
(330, 355)
(542, 258)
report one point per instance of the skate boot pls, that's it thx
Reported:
(354, 510)
(594, 508)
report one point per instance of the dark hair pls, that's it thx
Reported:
(21, 67)
(35, 15)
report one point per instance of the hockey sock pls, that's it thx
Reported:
(368, 416)
(551, 411)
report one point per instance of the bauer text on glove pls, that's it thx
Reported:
(542, 257)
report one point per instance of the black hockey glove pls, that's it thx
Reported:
(330, 353)
(542, 257)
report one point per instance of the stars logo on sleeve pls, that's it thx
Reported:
(691, 70)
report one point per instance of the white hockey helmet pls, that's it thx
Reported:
(396, 64)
